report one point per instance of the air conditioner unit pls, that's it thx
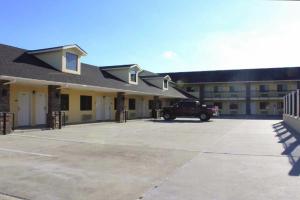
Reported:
(264, 112)
(132, 115)
(233, 112)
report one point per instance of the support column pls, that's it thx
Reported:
(6, 118)
(248, 99)
(290, 104)
(53, 103)
(156, 109)
(285, 104)
(293, 103)
(4, 96)
(298, 103)
(120, 113)
(201, 94)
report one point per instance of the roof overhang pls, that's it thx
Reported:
(29, 81)
(122, 67)
(71, 46)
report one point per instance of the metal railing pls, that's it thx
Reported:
(243, 94)
(268, 94)
(57, 120)
(291, 104)
(238, 94)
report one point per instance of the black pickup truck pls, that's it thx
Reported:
(188, 108)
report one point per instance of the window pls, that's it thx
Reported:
(263, 88)
(131, 103)
(150, 104)
(280, 105)
(188, 104)
(281, 88)
(190, 89)
(85, 103)
(64, 102)
(232, 88)
(233, 106)
(133, 75)
(219, 104)
(165, 84)
(263, 105)
(216, 89)
(71, 61)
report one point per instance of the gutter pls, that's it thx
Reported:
(12, 79)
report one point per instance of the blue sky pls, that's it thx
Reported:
(161, 35)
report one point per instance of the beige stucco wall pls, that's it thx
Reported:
(292, 122)
(74, 114)
(54, 59)
(122, 74)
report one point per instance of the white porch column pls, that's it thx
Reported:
(298, 103)
(293, 103)
(284, 105)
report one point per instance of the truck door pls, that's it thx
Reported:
(179, 109)
(189, 108)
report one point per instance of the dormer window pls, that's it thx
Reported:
(133, 75)
(165, 84)
(71, 61)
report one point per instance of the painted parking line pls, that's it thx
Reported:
(26, 152)
(4, 196)
(56, 139)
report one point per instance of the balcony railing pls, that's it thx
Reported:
(268, 94)
(225, 95)
(242, 94)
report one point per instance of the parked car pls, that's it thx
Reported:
(188, 108)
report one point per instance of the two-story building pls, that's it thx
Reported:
(241, 92)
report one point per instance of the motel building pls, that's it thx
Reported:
(251, 92)
(36, 84)
(42, 87)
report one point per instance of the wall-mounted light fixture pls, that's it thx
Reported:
(33, 92)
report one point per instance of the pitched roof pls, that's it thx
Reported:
(17, 62)
(57, 48)
(117, 66)
(242, 75)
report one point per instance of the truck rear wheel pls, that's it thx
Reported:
(167, 116)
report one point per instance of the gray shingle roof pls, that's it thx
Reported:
(242, 75)
(17, 63)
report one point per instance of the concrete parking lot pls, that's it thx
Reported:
(223, 159)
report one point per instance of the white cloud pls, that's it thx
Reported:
(169, 54)
(270, 47)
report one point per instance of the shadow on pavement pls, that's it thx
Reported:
(290, 141)
(179, 121)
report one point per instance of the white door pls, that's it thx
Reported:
(107, 108)
(40, 109)
(141, 107)
(23, 109)
(99, 108)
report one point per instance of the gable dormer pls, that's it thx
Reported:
(127, 73)
(161, 82)
(63, 58)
